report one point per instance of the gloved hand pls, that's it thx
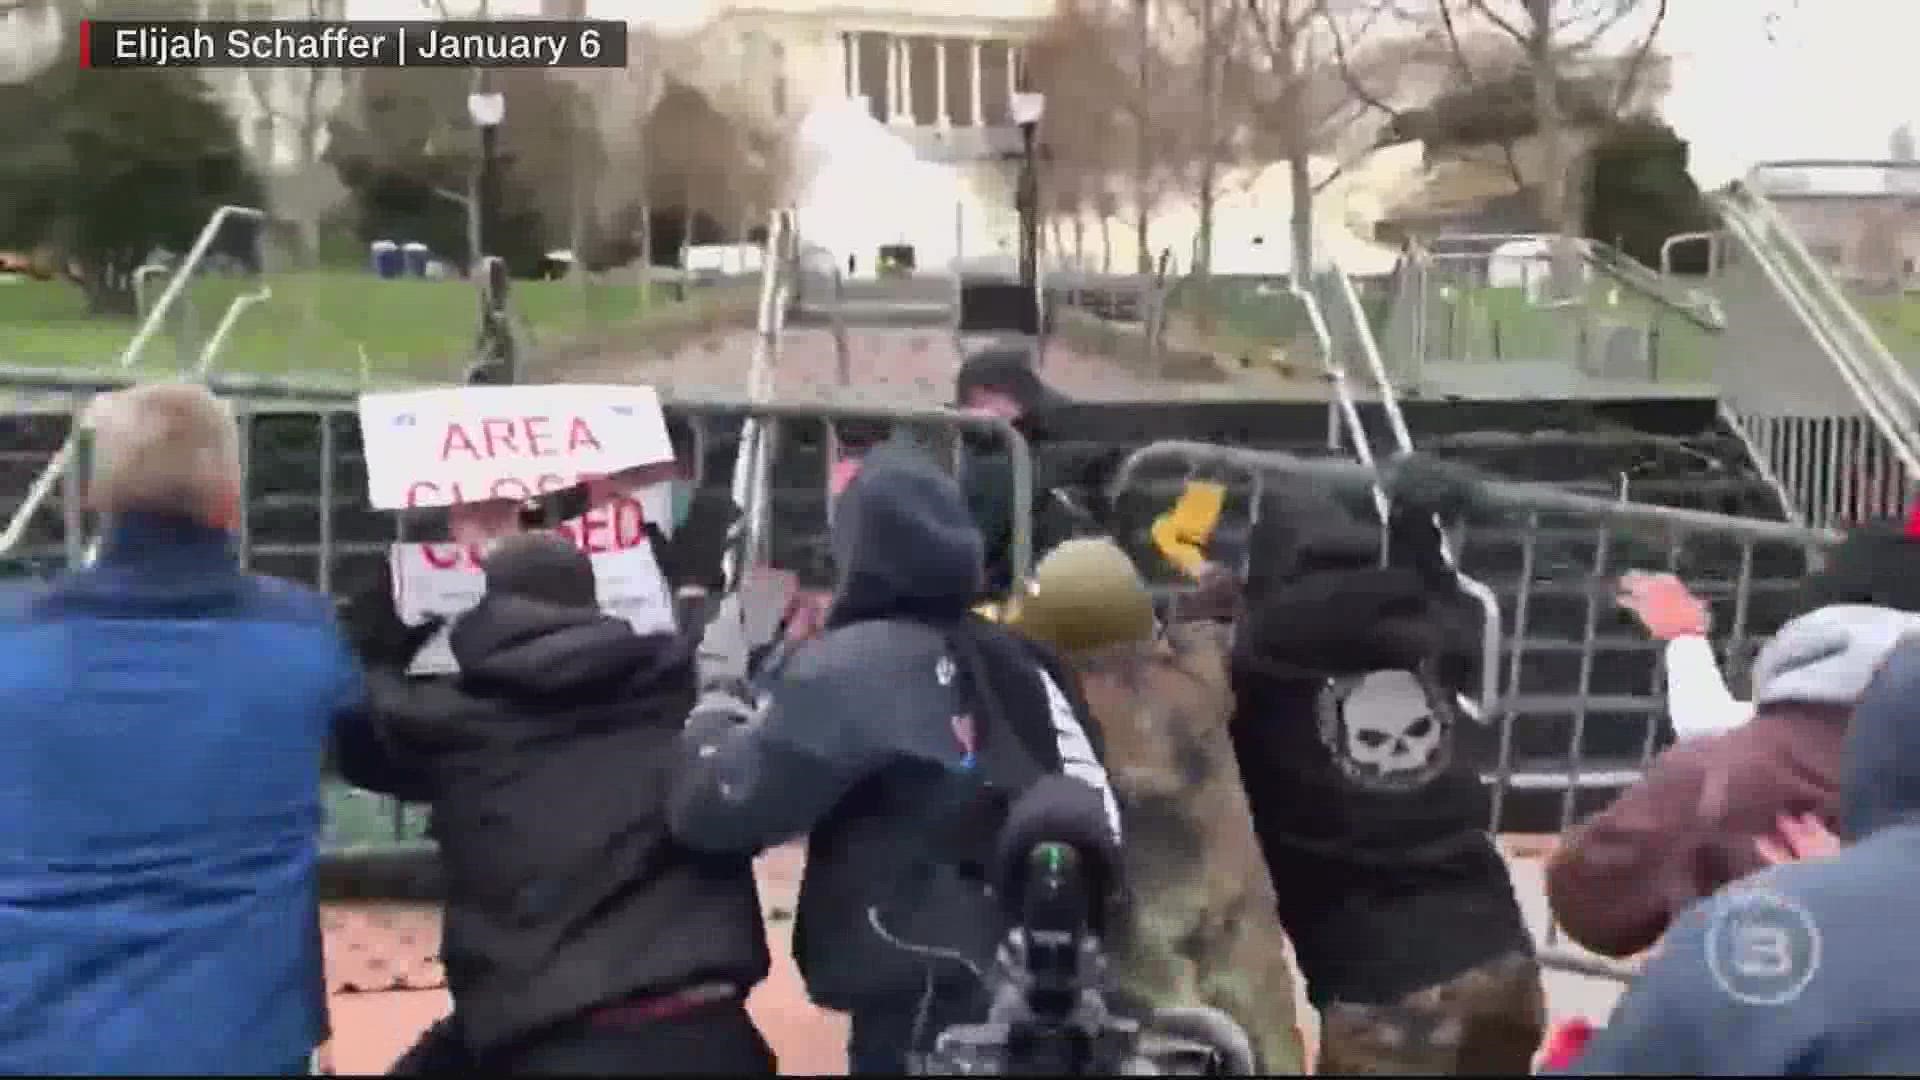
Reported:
(415, 638)
(374, 629)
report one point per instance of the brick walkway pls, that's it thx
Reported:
(385, 984)
(906, 366)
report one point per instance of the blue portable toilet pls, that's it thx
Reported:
(386, 258)
(415, 255)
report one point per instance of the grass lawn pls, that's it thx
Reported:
(1898, 320)
(331, 322)
(360, 819)
(1482, 323)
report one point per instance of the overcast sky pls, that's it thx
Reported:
(1829, 85)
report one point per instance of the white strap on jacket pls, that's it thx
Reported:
(1697, 696)
(1076, 751)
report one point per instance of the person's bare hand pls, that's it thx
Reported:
(1797, 837)
(1664, 605)
(478, 522)
(807, 616)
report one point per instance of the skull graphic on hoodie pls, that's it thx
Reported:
(1387, 730)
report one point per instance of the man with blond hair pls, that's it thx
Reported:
(165, 716)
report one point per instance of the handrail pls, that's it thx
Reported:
(751, 470)
(837, 316)
(84, 381)
(181, 274)
(1694, 304)
(43, 484)
(227, 321)
(1482, 594)
(1712, 238)
(1744, 218)
(1490, 493)
(1835, 301)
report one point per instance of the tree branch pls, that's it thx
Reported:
(1630, 78)
(1343, 63)
(1485, 10)
(1459, 53)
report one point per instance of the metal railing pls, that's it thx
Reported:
(1827, 410)
(1614, 523)
(182, 275)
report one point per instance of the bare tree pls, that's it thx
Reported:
(1219, 121)
(1142, 112)
(1553, 37)
(293, 107)
(1079, 60)
(1312, 65)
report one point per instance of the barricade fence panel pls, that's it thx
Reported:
(306, 517)
(1580, 704)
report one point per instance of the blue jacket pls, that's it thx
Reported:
(163, 720)
(1805, 969)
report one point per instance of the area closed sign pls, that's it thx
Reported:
(453, 445)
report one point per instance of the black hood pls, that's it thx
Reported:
(1317, 598)
(1008, 369)
(903, 541)
(1300, 530)
(522, 649)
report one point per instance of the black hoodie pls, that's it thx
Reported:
(549, 759)
(1344, 675)
(894, 742)
(1068, 490)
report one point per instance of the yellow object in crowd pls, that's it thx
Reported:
(1182, 533)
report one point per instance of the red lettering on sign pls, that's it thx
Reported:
(448, 556)
(537, 435)
(593, 527)
(618, 525)
(629, 523)
(579, 435)
(526, 436)
(421, 489)
(512, 487)
(457, 439)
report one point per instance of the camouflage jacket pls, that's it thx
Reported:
(1202, 926)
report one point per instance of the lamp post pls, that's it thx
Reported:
(1027, 109)
(496, 364)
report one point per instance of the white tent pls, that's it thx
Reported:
(863, 187)
(1525, 263)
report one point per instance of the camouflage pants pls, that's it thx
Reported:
(1487, 1022)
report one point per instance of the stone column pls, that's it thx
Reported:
(852, 40)
(892, 111)
(906, 80)
(973, 81)
(940, 116)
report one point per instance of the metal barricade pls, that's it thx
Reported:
(304, 512)
(1730, 561)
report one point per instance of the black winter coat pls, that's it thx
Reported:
(549, 761)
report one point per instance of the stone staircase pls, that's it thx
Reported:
(917, 300)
